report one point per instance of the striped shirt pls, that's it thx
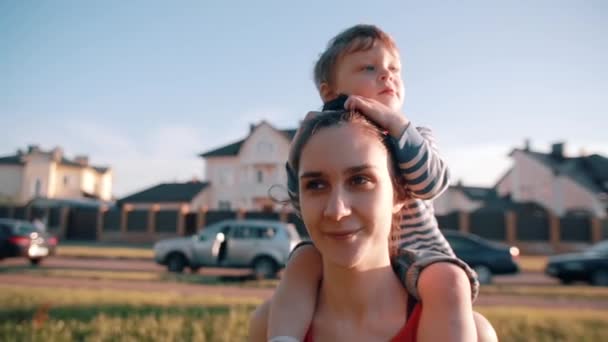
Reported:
(427, 176)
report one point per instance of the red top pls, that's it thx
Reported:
(408, 333)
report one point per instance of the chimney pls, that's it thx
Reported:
(527, 144)
(33, 149)
(557, 150)
(251, 127)
(82, 160)
(57, 154)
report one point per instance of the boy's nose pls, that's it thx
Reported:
(337, 206)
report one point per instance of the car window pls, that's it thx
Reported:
(461, 244)
(264, 233)
(242, 232)
(5, 230)
(211, 232)
(599, 249)
(26, 229)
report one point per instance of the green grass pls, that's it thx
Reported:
(49, 314)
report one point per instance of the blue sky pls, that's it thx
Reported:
(144, 86)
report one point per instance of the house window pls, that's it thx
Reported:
(265, 147)
(223, 205)
(37, 187)
(66, 181)
(260, 176)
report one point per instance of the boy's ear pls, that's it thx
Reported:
(326, 92)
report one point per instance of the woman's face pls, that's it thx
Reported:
(346, 196)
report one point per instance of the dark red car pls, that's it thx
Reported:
(19, 238)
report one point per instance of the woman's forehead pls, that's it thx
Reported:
(342, 147)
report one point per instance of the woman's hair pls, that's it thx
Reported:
(333, 118)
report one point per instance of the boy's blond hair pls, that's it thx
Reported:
(357, 38)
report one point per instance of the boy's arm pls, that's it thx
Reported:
(426, 173)
(293, 303)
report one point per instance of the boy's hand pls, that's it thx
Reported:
(394, 122)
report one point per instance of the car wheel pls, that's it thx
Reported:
(264, 268)
(176, 263)
(35, 261)
(484, 275)
(599, 278)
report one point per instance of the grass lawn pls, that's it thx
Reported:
(50, 314)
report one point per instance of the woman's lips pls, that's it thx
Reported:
(342, 235)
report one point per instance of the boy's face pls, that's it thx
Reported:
(373, 73)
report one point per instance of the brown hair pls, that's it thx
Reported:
(354, 39)
(327, 119)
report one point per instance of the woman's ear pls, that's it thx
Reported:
(326, 92)
(397, 206)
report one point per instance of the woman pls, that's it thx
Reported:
(343, 181)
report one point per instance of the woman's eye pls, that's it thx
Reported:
(360, 181)
(314, 185)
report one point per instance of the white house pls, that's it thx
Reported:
(560, 183)
(49, 174)
(460, 198)
(241, 174)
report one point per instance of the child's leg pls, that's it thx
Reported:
(293, 303)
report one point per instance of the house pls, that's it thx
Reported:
(242, 173)
(35, 173)
(560, 183)
(461, 198)
(182, 196)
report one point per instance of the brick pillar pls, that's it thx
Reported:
(511, 227)
(283, 215)
(124, 218)
(596, 229)
(201, 218)
(240, 214)
(554, 231)
(463, 222)
(151, 229)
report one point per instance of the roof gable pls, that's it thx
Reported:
(233, 149)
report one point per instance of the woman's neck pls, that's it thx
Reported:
(358, 293)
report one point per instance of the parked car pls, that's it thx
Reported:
(19, 238)
(589, 266)
(262, 245)
(487, 258)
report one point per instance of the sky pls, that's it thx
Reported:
(145, 86)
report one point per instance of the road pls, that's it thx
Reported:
(32, 280)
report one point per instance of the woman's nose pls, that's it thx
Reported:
(337, 205)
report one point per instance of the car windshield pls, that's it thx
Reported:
(599, 248)
(25, 229)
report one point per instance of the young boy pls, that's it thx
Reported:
(363, 62)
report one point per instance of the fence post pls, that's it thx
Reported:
(283, 215)
(201, 216)
(240, 214)
(152, 218)
(511, 226)
(463, 222)
(124, 218)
